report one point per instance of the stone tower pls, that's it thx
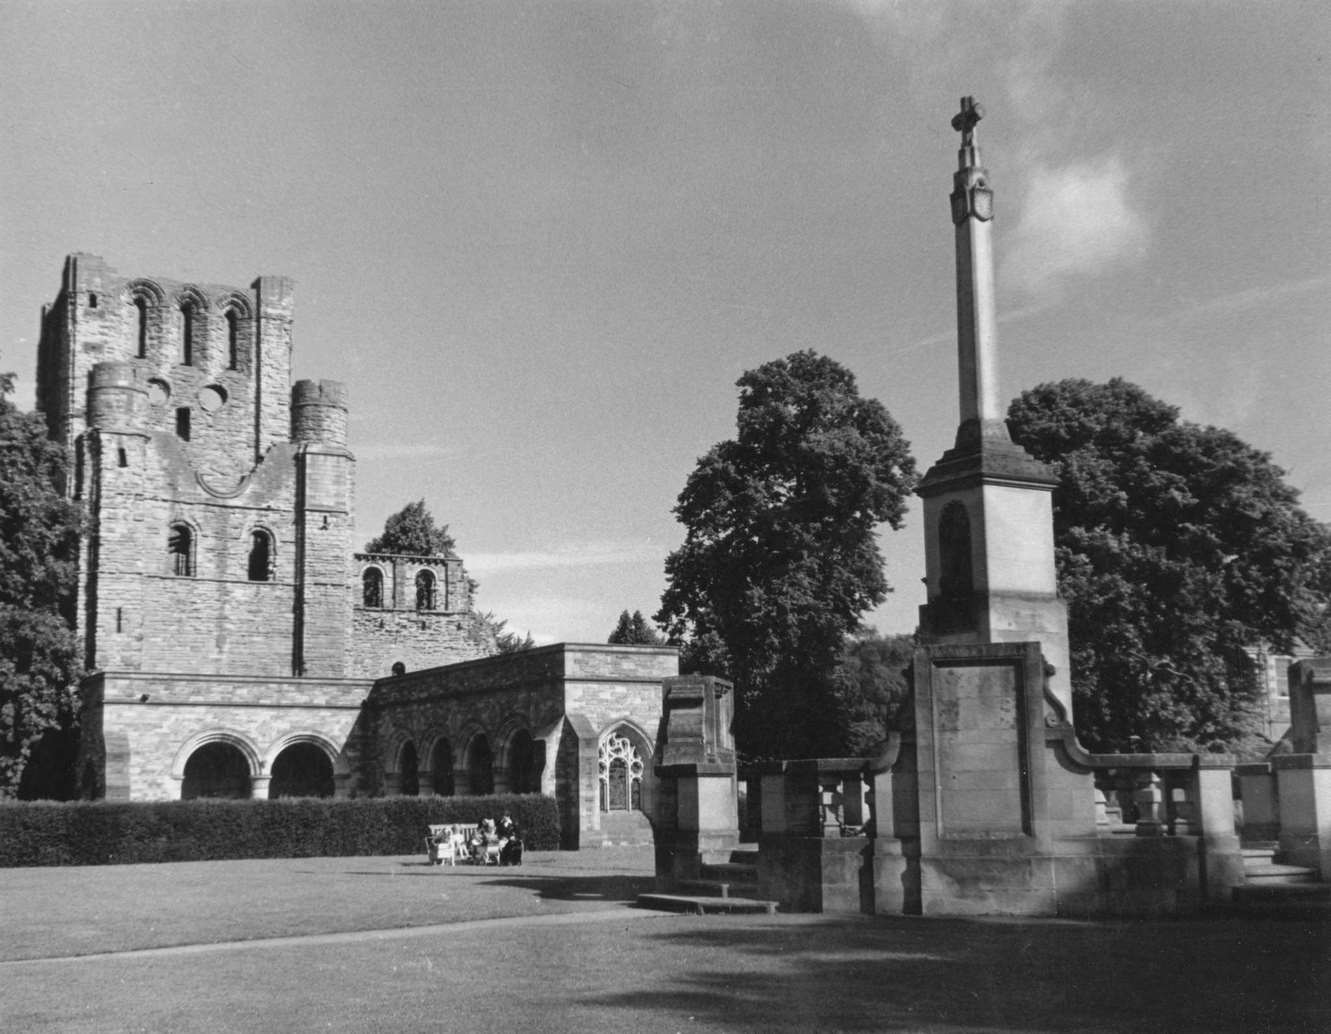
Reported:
(988, 512)
(215, 570)
(219, 500)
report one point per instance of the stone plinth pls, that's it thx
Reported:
(697, 817)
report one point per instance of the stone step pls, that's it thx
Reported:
(704, 905)
(725, 888)
(736, 870)
(1270, 872)
(1284, 899)
(1259, 851)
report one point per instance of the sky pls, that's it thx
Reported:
(541, 241)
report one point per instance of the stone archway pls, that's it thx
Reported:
(408, 768)
(441, 768)
(302, 770)
(216, 769)
(480, 766)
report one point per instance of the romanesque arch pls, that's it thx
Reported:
(441, 767)
(480, 765)
(521, 760)
(304, 765)
(218, 763)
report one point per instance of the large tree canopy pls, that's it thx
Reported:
(39, 531)
(1179, 548)
(780, 559)
(412, 532)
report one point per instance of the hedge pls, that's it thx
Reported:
(102, 833)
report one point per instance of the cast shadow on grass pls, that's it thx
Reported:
(579, 888)
(892, 974)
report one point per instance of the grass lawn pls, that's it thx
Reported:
(388, 944)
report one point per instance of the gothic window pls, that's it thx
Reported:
(620, 768)
(92, 299)
(372, 588)
(180, 549)
(187, 333)
(141, 324)
(261, 556)
(232, 339)
(425, 590)
(182, 423)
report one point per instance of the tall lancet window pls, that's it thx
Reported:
(141, 324)
(187, 333)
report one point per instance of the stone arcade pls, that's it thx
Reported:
(233, 635)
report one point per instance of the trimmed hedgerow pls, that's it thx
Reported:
(101, 833)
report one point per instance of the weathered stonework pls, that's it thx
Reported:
(231, 631)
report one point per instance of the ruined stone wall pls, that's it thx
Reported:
(175, 399)
(404, 628)
(234, 385)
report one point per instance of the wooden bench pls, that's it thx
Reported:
(448, 843)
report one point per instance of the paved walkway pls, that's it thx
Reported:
(390, 944)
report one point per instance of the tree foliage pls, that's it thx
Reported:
(412, 532)
(871, 686)
(634, 630)
(506, 641)
(1179, 547)
(39, 534)
(780, 559)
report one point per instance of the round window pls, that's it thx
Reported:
(212, 398)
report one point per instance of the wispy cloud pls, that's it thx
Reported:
(1246, 300)
(1076, 220)
(403, 450)
(587, 554)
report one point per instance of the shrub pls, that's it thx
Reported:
(101, 833)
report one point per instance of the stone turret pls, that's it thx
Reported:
(117, 397)
(319, 412)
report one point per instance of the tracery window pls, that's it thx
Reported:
(620, 768)
(372, 588)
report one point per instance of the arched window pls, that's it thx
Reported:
(187, 333)
(620, 768)
(141, 324)
(261, 556)
(425, 590)
(232, 339)
(180, 549)
(372, 588)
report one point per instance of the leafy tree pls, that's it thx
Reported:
(39, 534)
(779, 557)
(412, 531)
(635, 631)
(505, 641)
(871, 686)
(1178, 547)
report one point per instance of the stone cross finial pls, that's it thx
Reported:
(964, 121)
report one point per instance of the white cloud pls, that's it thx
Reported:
(587, 554)
(1076, 220)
